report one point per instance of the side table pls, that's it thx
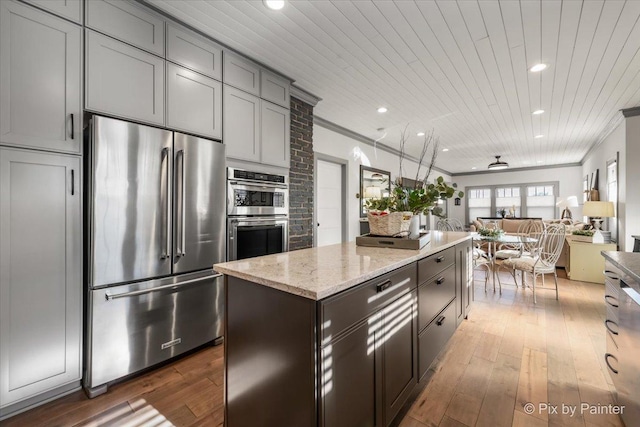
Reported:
(585, 263)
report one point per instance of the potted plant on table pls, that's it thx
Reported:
(397, 215)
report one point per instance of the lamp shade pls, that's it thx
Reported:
(598, 209)
(572, 201)
(372, 192)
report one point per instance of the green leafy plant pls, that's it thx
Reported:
(582, 233)
(490, 232)
(423, 196)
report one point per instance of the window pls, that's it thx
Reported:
(541, 201)
(612, 196)
(531, 200)
(479, 202)
(508, 198)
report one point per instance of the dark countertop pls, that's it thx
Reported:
(629, 262)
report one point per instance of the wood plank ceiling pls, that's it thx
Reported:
(458, 67)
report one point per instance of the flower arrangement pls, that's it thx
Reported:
(490, 232)
(588, 233)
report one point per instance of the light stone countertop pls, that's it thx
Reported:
(318, 273)
(629, 262)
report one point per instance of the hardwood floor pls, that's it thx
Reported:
(509, 352)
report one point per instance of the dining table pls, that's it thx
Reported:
(515, 241)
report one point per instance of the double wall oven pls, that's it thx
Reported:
(258, 214)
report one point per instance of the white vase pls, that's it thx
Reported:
(414, 227)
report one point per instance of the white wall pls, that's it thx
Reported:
(597, 159)
(569, 179)
(334, 144)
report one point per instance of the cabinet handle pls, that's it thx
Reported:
(72, 126)
(383, 286)
(606, 325)
(440, 281)
(440, 258)
(610, 275)
(606, 360)
(612, 297)
(73, 182)
(440, 320)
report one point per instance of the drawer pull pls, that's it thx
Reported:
(440, 258)
(383, 286)
(610, 303)
(440, 281)
(440, 320)
(610, 275)
(606, 359)
(606, 325)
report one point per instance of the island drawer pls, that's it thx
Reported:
(432, 265)
(433, 339)
(435, 294)
(340, 311)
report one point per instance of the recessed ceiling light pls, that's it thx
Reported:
(525, 162)
(538, 67)
(420, 134)
(539, 136)
(535, 113)
(539, 161)
(473, 168)
(382, 110)
(274, 4)
(445, 149)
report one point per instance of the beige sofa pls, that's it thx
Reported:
(510, 226)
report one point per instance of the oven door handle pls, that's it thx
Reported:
(252, 183)
(110, 297)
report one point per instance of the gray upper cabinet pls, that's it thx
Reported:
(69, 9)
(274, 134)
(40, 79)
(194, 102)
(241, 73)
(194, 52)
(274, 88)
(127, 21)
(40, 274)
(123, 81)
(241, 124)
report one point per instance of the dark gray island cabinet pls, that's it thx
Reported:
(345, 355)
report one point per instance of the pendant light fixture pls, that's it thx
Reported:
(497, 165)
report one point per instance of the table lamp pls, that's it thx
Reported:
(569, 202)
(372, 192)
(597, 211)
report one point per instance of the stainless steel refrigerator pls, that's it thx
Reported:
(156, 225)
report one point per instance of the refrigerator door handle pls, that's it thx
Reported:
(183, 205)
(167, 211)
(110, 297)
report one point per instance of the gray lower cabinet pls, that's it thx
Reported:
(128, 21)
(40, 276)
(69, 9)
(123, 81)
(241, 124)
(40, 79)
(274, 134)
(194, 102)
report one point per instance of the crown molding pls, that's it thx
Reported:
(303, 95)
(630, 112)
(529, 168)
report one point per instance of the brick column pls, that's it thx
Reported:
(301, 176)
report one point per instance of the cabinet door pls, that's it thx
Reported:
(40, 86)
(348, 379)
(127, 21)
(70, 9)
(194, 52)
(399, 345)
(123, 81)
(241, 124)
(274, 134)
(241, 73)
(274, 88)
(194, 102)
(40, 272)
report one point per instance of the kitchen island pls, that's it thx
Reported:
(339, 335)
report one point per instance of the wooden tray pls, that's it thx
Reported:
(393, 242)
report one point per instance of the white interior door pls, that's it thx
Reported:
(330, 209)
